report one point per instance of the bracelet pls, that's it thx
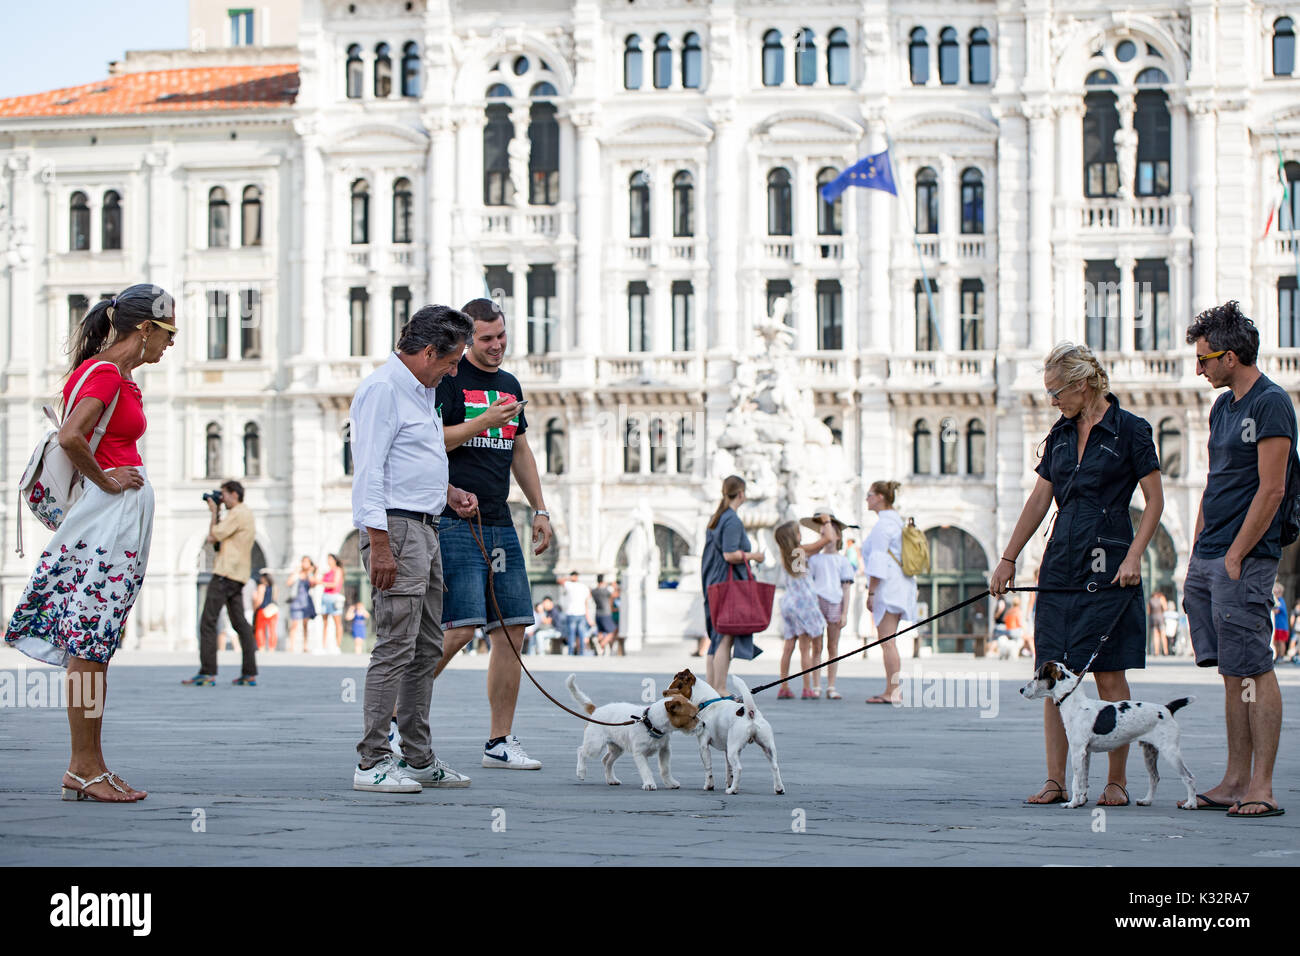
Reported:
(1008, 560)
(120, 489)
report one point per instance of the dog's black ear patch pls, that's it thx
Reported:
(1105, 721)
(1123, 707)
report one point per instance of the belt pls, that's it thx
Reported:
(419, 516)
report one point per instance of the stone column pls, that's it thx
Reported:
(1042, 129)
(590, 216)
(440, 173)
(1127, 303)
(1204, 240)
(518, 321)
(878, 331)
(725, 187)
(310, 255)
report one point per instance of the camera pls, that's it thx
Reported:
(213, 496)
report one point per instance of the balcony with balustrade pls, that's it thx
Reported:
(1134, 215)
(944, 373)
(528, 222)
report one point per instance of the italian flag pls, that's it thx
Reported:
(1282, 196)
(477, 402)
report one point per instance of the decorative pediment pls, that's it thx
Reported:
(807, 126)
(376, 138)
(946, 126)
(659, 131)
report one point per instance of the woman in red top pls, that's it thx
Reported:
(77, 601)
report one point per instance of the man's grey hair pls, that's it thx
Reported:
(440, 326)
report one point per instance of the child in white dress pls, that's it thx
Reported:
(800, 614)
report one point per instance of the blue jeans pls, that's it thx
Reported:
(574, 628)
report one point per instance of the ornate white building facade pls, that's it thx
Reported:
(637, 183)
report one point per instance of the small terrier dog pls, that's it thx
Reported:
(727, 726)
(1094, 726)
(647, 736)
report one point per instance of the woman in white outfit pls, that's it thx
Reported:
(891, 595)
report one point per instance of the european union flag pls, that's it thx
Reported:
(870, 172)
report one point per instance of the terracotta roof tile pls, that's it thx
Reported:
(166, 91)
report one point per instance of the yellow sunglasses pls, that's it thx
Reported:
(1202, 359)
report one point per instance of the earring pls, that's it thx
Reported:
(144, 346)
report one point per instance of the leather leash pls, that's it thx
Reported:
(476, 530)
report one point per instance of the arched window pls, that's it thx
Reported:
(111, 221)
(403, 210)
(972, 201)
(683, 293)
(1289, 216)
(927, 201)
(948, 437)
(411, 70)
(658, 446)
(975, 444)
(1100, 78)
(921, 450)
(683, 204)
(250, 217)
(672, 548)
(218, 219)
(663, 62)
(78, 223)
(1152, 321)
(1152, 76)
(692, 62)
(544, 150)
(252, 451)
(554, 447)
(543, 89)
(918, 57)
(212, 464)
(360, 212)
(1170, 440)
(780, 219)
(949, 57)
(1283, 47)
(805, 57)
(497, 189)
(632, 63)
(632, 447)
(355, 77)
(638, 198)
(498, 91)
(830, 215)
(978, 62)
(1100, 122)
(1153, 153)
(837, 57)
(773, 59)
(383, 71)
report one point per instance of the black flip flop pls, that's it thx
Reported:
(1059, 798)
(1272, 810)
(1211, 804)
(1103, 793)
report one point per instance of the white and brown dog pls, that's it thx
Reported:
(649, 735)
(1093, 726)
(728, 727)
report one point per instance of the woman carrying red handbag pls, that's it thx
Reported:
(726, 545)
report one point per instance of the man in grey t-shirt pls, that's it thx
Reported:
(604, 601)
(1234, 560)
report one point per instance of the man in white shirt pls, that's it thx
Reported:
(399, 488)
(574, 602)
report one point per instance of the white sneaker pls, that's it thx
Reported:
(437, 774)
(387, 776)
(509, 754)
(394, 738)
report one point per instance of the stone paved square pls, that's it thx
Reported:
(270, 767)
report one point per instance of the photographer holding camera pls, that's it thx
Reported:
(232, 536)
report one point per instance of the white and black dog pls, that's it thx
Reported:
(647, 736)
(727, 727)
(1094, 726)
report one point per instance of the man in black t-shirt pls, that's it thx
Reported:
(1235, 554)
(484, 425)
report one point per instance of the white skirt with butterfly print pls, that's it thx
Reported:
(87, 579)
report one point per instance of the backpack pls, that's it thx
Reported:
(916, 551)
(51, 484)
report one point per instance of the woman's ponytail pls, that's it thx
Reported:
(732, 486)
(91, 336)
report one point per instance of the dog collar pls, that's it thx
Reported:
(654, 731)
(714, 701)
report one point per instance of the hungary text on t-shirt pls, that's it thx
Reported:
(1236, 429)
(117, 448)
(482, 464)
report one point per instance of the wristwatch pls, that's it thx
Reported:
(542, 513)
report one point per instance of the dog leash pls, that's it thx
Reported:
(1123, 606)
(1091, 588)
(476, 531)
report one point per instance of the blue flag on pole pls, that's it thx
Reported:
(870, 172)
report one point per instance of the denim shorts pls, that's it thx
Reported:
(465, 576)
(331, 603)
(1231, 622)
